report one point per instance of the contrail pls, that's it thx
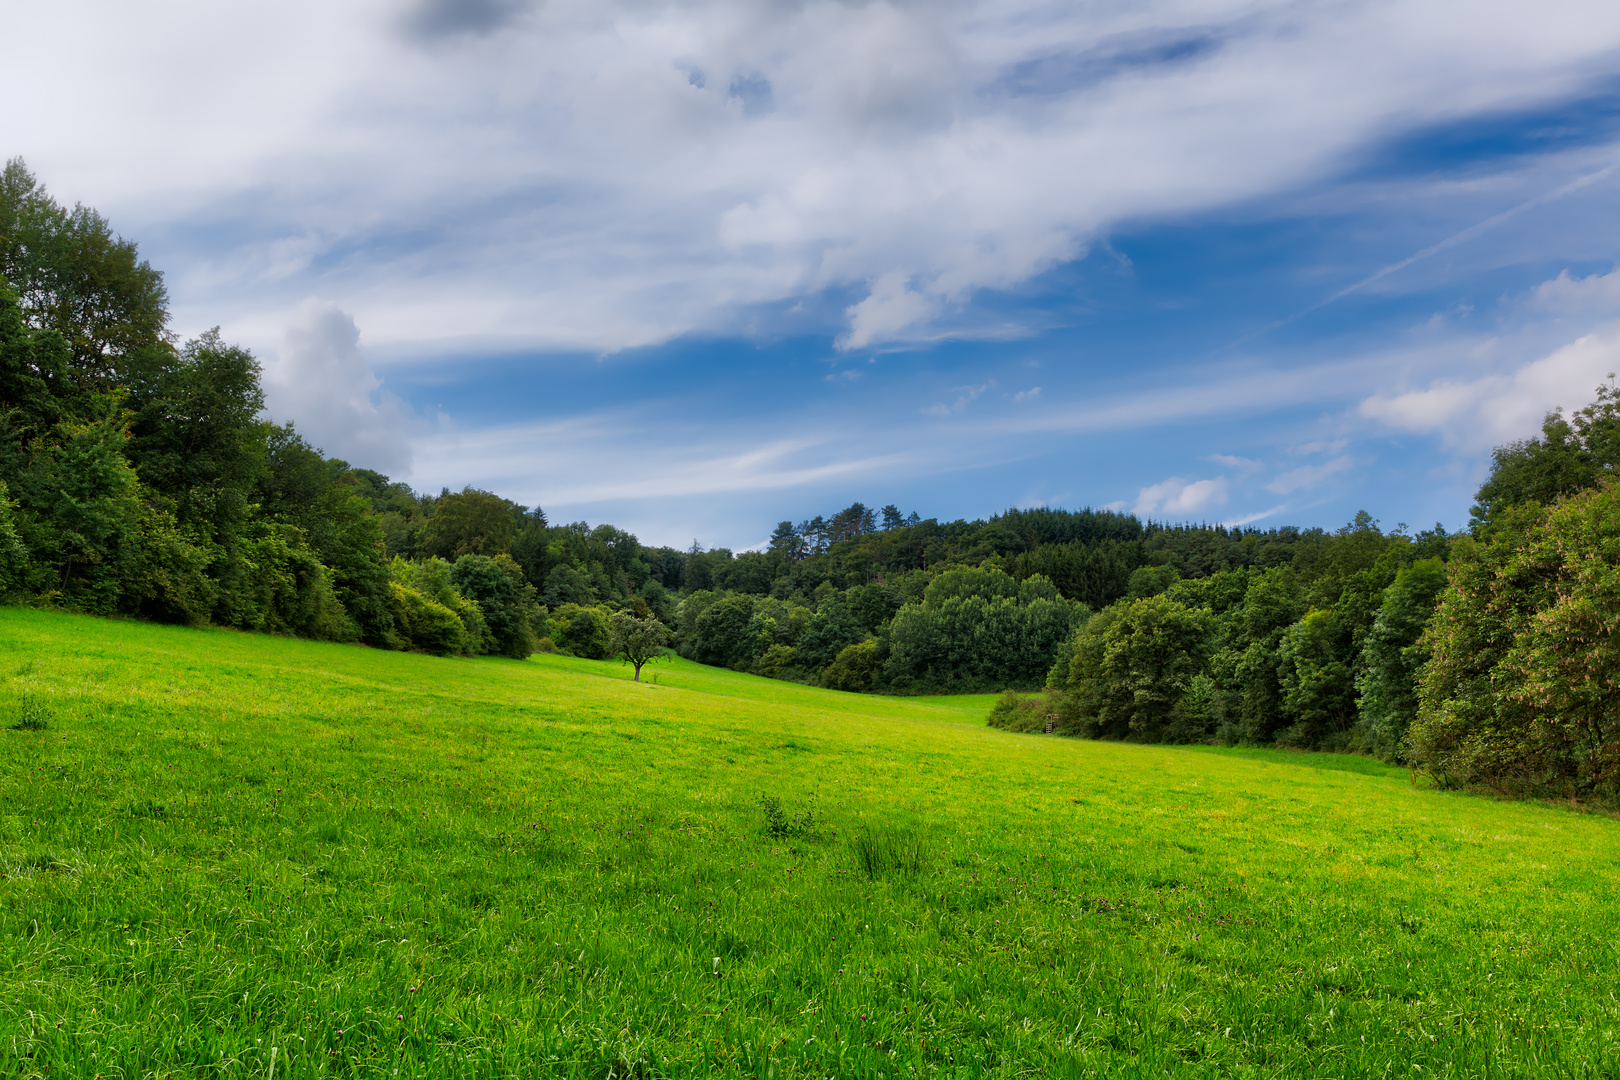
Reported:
(1433, 249)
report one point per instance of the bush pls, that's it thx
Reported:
(855, 668)
(776, 660)
(428, 624)
(582, 631)
(1019, 712)
(723, 633)
(279, 585)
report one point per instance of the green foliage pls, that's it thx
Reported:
(1014, 711)
(426, 623)
(873, 605)
(723, 635)
(508, 604)
(582, 631)
(780, 824)
(856, 668)
(568, 585)
(195, 432)
(776, 661)
(470, 522)
(972, 641)
(987, 583)
(13, 554)
(1150, 581)
(1132, 666)
(163, 575)
(81, 509)
(1393, 654)
(431, 578)
(1571, 455)
(637, 641)
(832, 629)
(283, 587)
(1519, 692)
(1315, 663)
(77, 278)
(303, 489)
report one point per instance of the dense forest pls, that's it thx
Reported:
(139, 476)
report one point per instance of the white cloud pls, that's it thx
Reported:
(1177, 496)
(1241, 465)
(321, 381)
(890, 309)
(1027, 395)
(964, 396)
(1597, 294)
(1308, 476)
(1477, 414)
(599, 174)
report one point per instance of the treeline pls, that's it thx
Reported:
(1487, 659)
(139, 477)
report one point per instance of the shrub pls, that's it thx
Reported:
(855, 668)
(775, 661)
(281, 586)
(582, 631)
(428, 624)
(1019, 712)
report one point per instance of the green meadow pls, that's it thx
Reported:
(236, 855)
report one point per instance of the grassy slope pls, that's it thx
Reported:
(385, 865)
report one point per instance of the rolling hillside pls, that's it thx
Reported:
(225, 851)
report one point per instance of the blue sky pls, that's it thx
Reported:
(693, 268)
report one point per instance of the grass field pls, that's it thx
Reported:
(229, 853)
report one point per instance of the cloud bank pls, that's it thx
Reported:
(596, 175)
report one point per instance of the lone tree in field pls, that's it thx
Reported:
(638, 640)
